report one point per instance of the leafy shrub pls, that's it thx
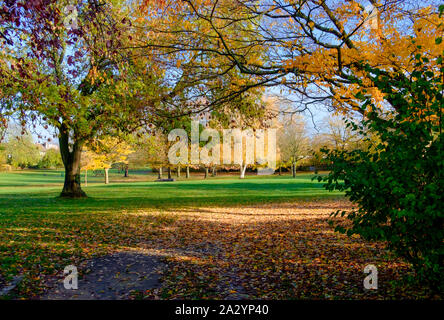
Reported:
(397, 183)
(51, 159)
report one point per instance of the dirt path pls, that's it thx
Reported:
(112, 277)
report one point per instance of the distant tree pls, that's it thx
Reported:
(21, 151)
(154, 150)
(137, 159)
(293, 141)
(3, 133)
(251, 111)
(341, 136)
(3, 156)
(87, 163)
(106, 152)
(319, 142)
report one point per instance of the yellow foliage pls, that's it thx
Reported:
(105, 152)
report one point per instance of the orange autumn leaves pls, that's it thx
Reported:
(271, 251)
(389, 48)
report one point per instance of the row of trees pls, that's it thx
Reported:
(296, 147)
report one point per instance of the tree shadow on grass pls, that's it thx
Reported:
(48, 205)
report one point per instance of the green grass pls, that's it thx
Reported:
(41, 233)
(38, 190)
(29, 178)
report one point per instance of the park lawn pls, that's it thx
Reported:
(28, 178)
(36, 186)
(259, 233)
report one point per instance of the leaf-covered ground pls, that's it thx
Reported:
(264, 238)
(273, 251)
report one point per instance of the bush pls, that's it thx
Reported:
(51, 159)
(397, 183)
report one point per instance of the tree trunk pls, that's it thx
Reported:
(169, 172)
(86, 178)
(188, 172)
(214, 173)
(160, 173)
(293, 167)
(206, 172)
(178, 171)
(126, 171)
(243, 168)
(106, 176)
(71, 162)
(280, 170)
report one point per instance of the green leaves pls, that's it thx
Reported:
(397, 185)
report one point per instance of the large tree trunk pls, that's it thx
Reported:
(214, 171)
(206, 172)
(169, 172)
(188, 172)
(178, 171)
(126, 171)
(71, 161)
(106, 176)
(160, 173)
(294, 169)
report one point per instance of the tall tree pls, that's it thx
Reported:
(293, 141)
(62, 67)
